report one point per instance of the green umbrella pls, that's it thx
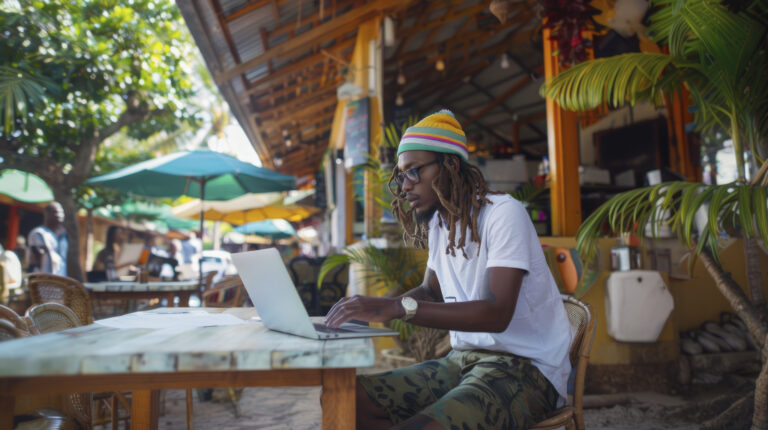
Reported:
(24, 187)
(183, 173)
(201, 173)
(272, 228)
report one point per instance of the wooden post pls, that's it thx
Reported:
(7, 403)
(13, 227)
(338, 399)
(144, 409)
(563, 135)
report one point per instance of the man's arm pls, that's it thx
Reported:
(491, 314)
(429, 290)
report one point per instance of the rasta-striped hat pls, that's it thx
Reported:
(439, 132)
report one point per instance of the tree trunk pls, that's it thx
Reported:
(760, 415)
(758, 329)
(88, 238)
(64, 196)
(738, 301)
(754, 277)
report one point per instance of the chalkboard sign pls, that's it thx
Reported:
(356, 132)
(321, 197)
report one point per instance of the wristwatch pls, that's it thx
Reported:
(410, 306)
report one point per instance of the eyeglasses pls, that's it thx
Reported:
(411, 174)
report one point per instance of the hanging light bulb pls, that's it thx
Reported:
(504, 61)
(399, 99)
(440, 65)
(400, 78)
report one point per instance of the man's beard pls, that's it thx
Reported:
(426, 216)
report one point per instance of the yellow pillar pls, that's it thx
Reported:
(563, 137)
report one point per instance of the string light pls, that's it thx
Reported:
(440, 65)
(399, 99)
(504, 61)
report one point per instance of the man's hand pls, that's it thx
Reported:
(370, 309)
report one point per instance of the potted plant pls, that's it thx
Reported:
(393, 271)
(720, 55)
(389, 141)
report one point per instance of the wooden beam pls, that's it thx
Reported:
(563, 133)
(289, 107)
(522, 83)
(330, 30)
(303, 64)
(296, 115)
(216, 6)
(245, 10)
(469, 10)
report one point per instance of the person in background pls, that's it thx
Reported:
(48, 244)
(11, 272)
(21, 250)
(107, 258)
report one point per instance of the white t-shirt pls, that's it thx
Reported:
(539, 329)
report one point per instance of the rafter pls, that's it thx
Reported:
(329, 30)
(522, 83)
(301, 65)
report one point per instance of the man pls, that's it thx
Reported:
(47, 244)
(487, 282)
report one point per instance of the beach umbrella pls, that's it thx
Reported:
(272, 228)
(24, 187)
(245, 209)
(201, 173)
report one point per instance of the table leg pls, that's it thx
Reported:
(7, 403)
(338, 399)
(144, 409)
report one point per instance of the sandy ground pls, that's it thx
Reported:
(298, 408)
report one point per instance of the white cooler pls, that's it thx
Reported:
(637, 305)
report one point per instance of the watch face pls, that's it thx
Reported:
(409, 304)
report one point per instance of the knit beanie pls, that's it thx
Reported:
(439, 132)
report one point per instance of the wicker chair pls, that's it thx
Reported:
(9, 331)
(229, 293)
(11, 316)
(582, 320)
(51, 317)
(45, 288)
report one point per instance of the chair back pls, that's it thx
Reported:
(229, 293)
(12, 317)
(582, 321)
(46, 288)
(207, 281)
(9, 331)
(51, 317)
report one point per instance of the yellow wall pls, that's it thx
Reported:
(696, 300)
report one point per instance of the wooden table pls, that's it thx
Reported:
(148, 290)
(96, 358)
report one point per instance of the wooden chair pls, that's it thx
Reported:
(44, 288)
(334, 287)
(229, 293)
(582, 321)
(304, 272)
(53, 317)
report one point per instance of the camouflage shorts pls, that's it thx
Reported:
(466, 390)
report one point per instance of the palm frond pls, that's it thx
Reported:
(631, 77)
(730, 207)
(18, 92)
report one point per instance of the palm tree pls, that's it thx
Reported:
(720, 56)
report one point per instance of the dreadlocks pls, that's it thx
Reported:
(462, 191)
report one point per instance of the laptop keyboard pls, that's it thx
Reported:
(322, 328)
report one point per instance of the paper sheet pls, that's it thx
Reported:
(171, 319)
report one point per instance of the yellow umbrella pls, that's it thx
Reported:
(244, 210)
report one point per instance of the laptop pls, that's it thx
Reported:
(275, 297)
